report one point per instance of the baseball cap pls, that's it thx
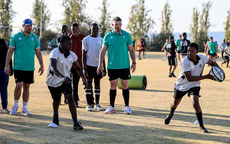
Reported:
(27, 22)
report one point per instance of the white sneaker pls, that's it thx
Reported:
(127, 110)
(14, 110)
(53, 125)
(25, 112)
(98, 107)
(110, 110)
(88, 108)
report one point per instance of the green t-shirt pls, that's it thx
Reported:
(24, 51)
(178, 44)
(212, 47)
(117, 45)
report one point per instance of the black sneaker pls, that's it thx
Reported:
(167, 119)
(203, 130)
(170, 75)
(173, 75)
(77, 127)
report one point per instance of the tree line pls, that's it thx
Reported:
(139, 25)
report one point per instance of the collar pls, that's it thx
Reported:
(24, 34)
(195, 63)
(118, 33)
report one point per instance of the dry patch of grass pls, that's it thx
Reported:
(145, 125)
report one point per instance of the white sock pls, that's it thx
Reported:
(24, 105)
(16, 103)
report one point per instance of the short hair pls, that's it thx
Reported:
(64, 39)
(171, 37)
(211, 37)
(75, 25)
(180, 35)
(194, 45)
(117, 19)
(92, 24)
(184, 34)
(64, 26)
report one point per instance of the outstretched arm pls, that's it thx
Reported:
(191, 78)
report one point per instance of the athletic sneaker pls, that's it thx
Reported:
(163, 59)
(88, 108)
(26, 112)
(98, 107)
(77, 126)
(6, 110)
(110, 110)
(139, 58)
(53, 125)
(203, 130)
(14, 110)
(172, 74)
(127, 110)
(167, 119)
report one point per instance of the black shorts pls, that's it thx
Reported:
(213, 55)
(123, 74)
(178, 51)
(226, 57)
(92, 72)
(56, 92)
(24, 76)
(192, 91)
(172, 60)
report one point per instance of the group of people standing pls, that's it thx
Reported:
(77, 56)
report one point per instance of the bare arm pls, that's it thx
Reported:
(39, 56)
(217, 50)
(132, 54)
(84, 63)
(101, 58)
(8, 58)
(191, 78)
(80, 72)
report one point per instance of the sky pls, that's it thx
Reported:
(181, 12)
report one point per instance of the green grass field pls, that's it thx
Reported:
(145, 125)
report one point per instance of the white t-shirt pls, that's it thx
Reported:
(64, 66)
(182, 83)
(92, 45)
(226, 51)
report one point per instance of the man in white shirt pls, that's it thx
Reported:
(59, 81)
(92, 45)
(222, 46)
(189, 82)
(226, 54)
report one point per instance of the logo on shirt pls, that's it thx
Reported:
(32, 39)
(123, 37)
(111, 37)
(20, 38)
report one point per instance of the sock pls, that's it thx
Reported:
(16, 103)
(126, 96)
(74, 120)
(200, 119)
(97, 95)
(88, 93)
(112, 96)
(172, 110)
(24, 105)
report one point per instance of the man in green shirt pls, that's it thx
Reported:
(212, 49)
(118, 43)
(24, 45)
(178, 47)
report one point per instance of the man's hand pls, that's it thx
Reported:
(99, 69)
(67, 79)
(104, 73)
(209, 76)
(7, 70)
(85, 83)
(41, 70)
(133, 67)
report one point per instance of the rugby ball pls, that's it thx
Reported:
(218, 73)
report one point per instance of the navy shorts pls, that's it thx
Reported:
(123, 74)
(192, 91)
(24, 76)
(56, 92)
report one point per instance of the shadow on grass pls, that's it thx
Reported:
(112, 132)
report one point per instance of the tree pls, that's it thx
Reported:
(227, 27)
(105, 18)
(204, 25)
(195, 26)
(6, 16)
(74, 13)
(139, 21)
(36, 15)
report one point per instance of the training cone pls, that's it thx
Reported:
(136, 82)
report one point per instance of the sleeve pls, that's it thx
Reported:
(74, 57)
(13, 41)
(185, 66)
(130, 41)
(205, 58)
(37, 45)
(105, 41)
(84, 44)
(54, 54)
